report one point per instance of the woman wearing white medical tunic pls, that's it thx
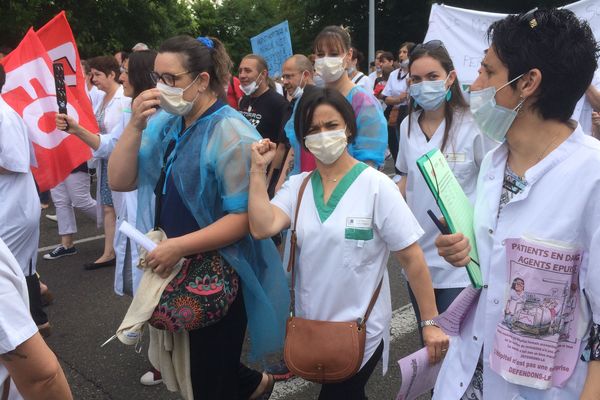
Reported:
(538, 190)
(351, 217)
(441, 120)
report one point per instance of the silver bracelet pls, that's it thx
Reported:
(429, 322)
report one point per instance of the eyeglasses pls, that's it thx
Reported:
(166, 78)
(431, 45)
(123, 70)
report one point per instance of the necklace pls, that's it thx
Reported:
(547, 147)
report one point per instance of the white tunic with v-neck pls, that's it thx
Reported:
(337, 276)
(464, 152)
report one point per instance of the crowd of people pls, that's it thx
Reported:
(236, 174)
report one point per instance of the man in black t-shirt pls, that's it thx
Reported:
(266, 109)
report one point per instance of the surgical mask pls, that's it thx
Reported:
(299, 90)
(327, 146)
(250, 88)
(493, 120)
(404, 64)
(429, 94)
(330, 68)
(319, 82)
(172, 101)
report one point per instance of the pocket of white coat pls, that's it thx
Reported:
(357, 234)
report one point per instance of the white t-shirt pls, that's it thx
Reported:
(20, 211)
(16, 324)
(583, 108)
(362, 80)
(342, 259)
(372, 78)
(396, 85)
(464, 152)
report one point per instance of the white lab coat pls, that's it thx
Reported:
(464, 152)
(560, 202)
(337, 276)
(20, 204)
(116, 117)
(16, 324)
(583, 108)
(125, 207)
(395, 86)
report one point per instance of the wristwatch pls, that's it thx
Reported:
(429, 322)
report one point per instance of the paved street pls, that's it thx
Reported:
(86, 312)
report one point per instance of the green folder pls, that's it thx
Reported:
(453, 203)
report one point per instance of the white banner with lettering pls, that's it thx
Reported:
(464, 32)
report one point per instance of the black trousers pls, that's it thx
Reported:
(215, 367)
(353, 388)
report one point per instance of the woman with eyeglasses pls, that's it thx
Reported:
(537, 220)
(333, 49)
(111, 114)
(438, 118)
(196, 158)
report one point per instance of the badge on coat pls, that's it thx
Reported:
(359, 228)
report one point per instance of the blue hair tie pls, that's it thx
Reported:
(206, 41)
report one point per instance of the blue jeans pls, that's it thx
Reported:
(443, 299)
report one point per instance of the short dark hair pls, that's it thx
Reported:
(557, 43)
(205, 54)
(141, 64)
(387, 55)
(409, 46)
(106, 65)
(2, 76)
(357, 55)
(309, 102)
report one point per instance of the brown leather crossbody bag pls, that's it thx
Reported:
(322, 351)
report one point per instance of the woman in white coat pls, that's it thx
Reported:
(438, 118)
(351, 217)
(525, 223)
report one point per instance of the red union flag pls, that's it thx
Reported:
(30, 91)
(58, 40)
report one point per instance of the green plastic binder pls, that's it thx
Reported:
(453, 203)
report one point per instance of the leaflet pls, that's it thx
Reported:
(418, 375)
(138, 237)
(536, 343)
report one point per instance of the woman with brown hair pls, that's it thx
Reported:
(439, 118)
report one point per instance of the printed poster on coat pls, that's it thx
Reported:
(275, 46)
(536, 342)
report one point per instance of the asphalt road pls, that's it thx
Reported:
(86, 312)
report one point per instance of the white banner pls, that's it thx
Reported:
(464, 32)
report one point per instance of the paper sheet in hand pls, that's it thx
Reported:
(454, 204)
(138, 237)
(418, 376)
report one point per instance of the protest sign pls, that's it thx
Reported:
(275, 46)
(30, 91)
(464, 32)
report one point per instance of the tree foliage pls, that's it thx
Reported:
(106, 26)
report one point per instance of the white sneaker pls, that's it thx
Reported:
(151, 378)
(52, 217)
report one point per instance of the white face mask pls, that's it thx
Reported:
(493, 120)
(327, 146)
(330, 68)
(250, 88)
(299, 89)
(172, 101)
(404, 64)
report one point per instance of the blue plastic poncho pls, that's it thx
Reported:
(211, 174)
(372, 134)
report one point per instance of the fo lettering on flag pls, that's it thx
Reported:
(30, 91)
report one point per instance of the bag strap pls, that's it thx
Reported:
(6, 388)
(160, 183)
(292, 262)
(293, 240)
